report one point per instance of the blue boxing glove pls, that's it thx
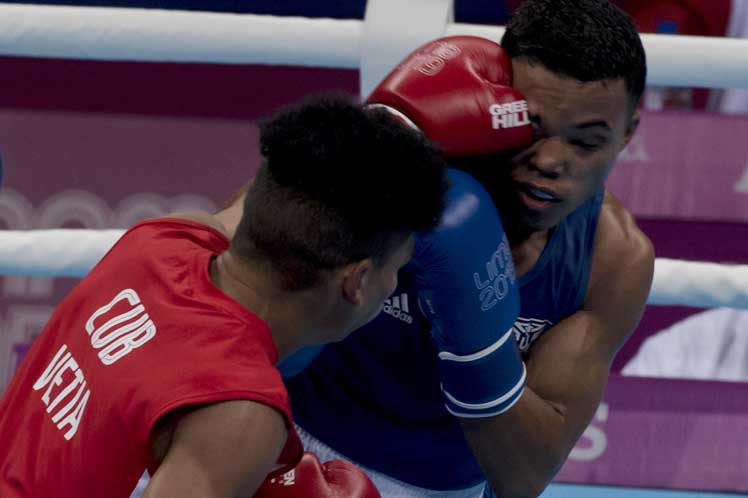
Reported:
(467, 288)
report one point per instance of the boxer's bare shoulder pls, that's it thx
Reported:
(203, 218)
(619, 244)
(622, 269)
(226, 219)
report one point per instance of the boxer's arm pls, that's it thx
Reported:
(469, 294)
(226, 219)
(221, 450)
(232, 210)
(522, 449)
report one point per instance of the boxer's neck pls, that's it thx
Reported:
(289, 315)
(527, 246)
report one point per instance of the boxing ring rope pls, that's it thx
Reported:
(73, 252)
(179, 36)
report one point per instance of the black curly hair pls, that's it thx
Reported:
(339, 184)
(588, 40)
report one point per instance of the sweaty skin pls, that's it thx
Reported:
(580, 128)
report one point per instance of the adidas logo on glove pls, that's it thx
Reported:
(397, 307)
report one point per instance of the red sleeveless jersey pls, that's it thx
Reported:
(146, 332)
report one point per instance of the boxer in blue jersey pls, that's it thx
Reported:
(427, 397)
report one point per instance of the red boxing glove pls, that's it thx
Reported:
(456, 91)
(312, 479)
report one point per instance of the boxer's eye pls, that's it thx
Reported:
(587, 144)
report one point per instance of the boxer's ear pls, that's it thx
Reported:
(631, 127)
(356, 277)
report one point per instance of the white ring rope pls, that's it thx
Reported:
(62, 252)
(182, 36)
(73, 252)
(699, 284)
(103, 33)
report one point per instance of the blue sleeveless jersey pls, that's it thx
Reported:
(375, 396)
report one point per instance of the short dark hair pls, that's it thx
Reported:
(588, 40)
(339, 184)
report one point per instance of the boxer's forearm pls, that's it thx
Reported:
(521, 450)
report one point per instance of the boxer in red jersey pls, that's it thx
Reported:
(163, 357)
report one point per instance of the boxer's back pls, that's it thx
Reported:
(144, 334)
